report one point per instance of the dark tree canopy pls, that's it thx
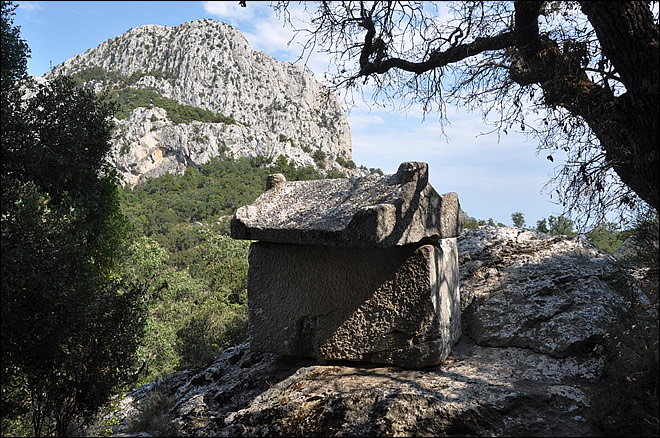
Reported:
(14, 50)
(581, 76)
(70, 325)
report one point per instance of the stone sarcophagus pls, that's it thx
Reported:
(362, 269)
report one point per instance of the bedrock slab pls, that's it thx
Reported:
(368, 212)
(397, 306)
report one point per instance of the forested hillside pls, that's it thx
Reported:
(166, 208)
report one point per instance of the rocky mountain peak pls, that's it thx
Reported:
(238, 102)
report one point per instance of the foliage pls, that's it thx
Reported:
(642, 246)
(165, 208)
(153, 415)
(607, 237)
(196, 312)
(628, 402)
(334, 173)
(518, 219)
(349, 164)
(15, 50)
(473, 223)
(470, 224)
(131, 98)
(195, 274)
(319, 158)
(98, 73)
(70, 326)
(559, 225)
(542, 226)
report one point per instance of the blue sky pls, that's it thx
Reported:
(493, 177)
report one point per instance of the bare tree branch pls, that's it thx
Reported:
(587, 71)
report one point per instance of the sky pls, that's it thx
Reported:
(493, 176)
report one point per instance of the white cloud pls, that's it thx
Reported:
(269, 36)
(267, 32)
(358, 122)
(30, 6)
(229, 11)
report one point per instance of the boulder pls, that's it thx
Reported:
(530, 290)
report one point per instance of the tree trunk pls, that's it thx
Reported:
(626, 125)
(629, 39)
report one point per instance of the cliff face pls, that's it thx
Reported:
(537, 315)
(277, 107)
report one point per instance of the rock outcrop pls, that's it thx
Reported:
(277, 108)
(536, 312)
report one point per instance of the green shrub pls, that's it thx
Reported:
(627, 404)
(607, 237)
(319, 158)
(470, 224)
(334, 173)
(196, 276)
(131, 98)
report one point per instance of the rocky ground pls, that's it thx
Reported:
(537, 314)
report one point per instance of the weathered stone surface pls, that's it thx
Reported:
(478, 391)
(398, 306)
(372, 211)
(492, 389)
(527, 289)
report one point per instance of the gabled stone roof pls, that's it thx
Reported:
(372, 211)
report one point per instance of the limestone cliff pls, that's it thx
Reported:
(538, 311)
(269, 108)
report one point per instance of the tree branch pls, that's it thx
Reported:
(436, 59)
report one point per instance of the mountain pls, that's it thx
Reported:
(553, 344)
(198, 90)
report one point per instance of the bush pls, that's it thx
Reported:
(628, 403)
(350, 164)
(195, 313)
(70, 326)
(131, 98)
(319, 158)
(196, 276)
(470, 224)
